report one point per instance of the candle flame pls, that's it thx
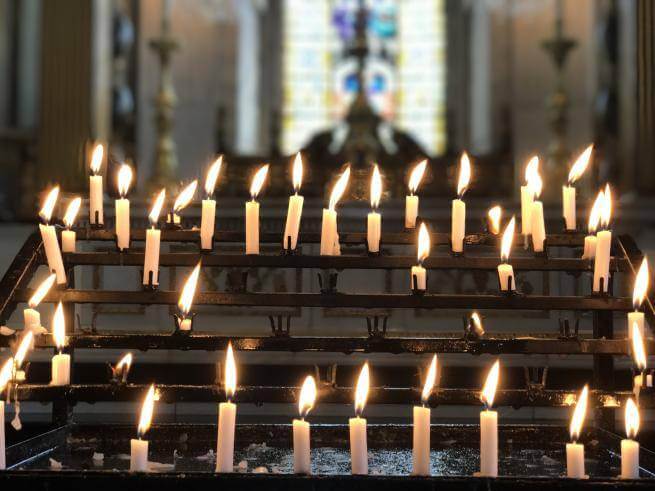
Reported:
(156, 207)
(212, 175)
(59, 327)
(464, 174)
(579, 414)
(258, 181)
(23, 348)
(641, 284)
(42, 291)
(489, 389)
(376, 187)
(506, 242)
(594, 214)
(185, 196)
(631, 419)
(430, 380)
(49, 204)
(606, 210)
(6, 373)
(96, 158)
(297, 172)
(189, 290)
(494, 215)
(124, 363)
(361, 391)
(307, 396)
(423, 243)
(71, 212)
(477, 324)
(638, 348)
(124, 179)
(416, 176)
(531, 169)
(339, 188)
(230, 373)
(580, 165)
(146, 411)
(535, 183)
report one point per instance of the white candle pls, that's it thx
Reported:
(31, 317)
(5, 377)
(411, 201)
(458, 217)
(630, 447)
(208, 216)
(638, 295)
(494, 215)
(418, 274)
(357, 425)
(538, 226)
(96, 213)
(52, 252)
(294, 212)
(574, 450)
(505, 270)
(184, 322)
(227, 413)
(301, 429)
(329, 235)
(589, 251)
(138, 446)
(568, 191)
(506, 277)
(603, 244)
(153, 240)
(527, 195)
(61, 363)
(638, 319)
(374, 219)
(421, 427)
(489, 425)
(68, 235)
(123, 208)
(68, 241)
(252, 211)
(418, 278)
(181, 202)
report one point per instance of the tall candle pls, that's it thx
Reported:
(153, 240)
(527, 196)
(411, 201)
(568, 190)
(5, 377)
(489, 425)
(252, 211)
(421, 429)
(31, 316)
(505, 270)
(329, 234)
(357, 425)
(123, 208)
(458, 218)
(208, 216)
(294, 212)
(374, 219)
(49, 237)
(61, 362)
(538, 227)
(418, 274)
(181, 202)
(630, 447)
(589, 251)
(68, 235)
(227, 413)
(96, 211)
(138, 446)
(603, 245)
(301, 440)
(638, 296)
(574, 450)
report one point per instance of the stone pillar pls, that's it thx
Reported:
(645, 174)
(480, 138)
(248, 74)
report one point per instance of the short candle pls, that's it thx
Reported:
(68, 235)
(329, 234)
(301, 430)
(505, 270)
(411, 200)
(357, 425)
(96, 209)
(638, 295)
(123, 208)
(418, 274)
(138, 446)
(184, 322)
(181, 202)
(568, 190)
(31, 316)
(421, 427)
(252, 211)
(61, 362)
(574, 450)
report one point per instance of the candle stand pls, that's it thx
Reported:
(526, 451)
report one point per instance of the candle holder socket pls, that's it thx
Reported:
(206, 251)
(509, 291)
(368, 250)
(327, 280)
(542, 254)
(566, 230)
(150, 285)
(565, 329)
(95, 224)
(117, 376)
(179, 319)
(415, 289)
(173, 221)
(602, 292)
(278, 327)
(126, 249)
(288, 251)
(237, 281)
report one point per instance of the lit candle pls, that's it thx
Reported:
(122, 368)
(418, 275)
(489, 425)
(5, 378)
(329, 235)
(49, 237)
(538, 227)
(638, 296)
(505, 270)
(292, 226)
(421, 430)
(183, 321)
(527, 196)
(208, 217)
(575, 450)
(61, 362)
(25, 345)
(639, 357)
(589, 251)
(68, 235)
(123, 208)
(153, 241)
(357, 425)
(630, 447)
(301, 442)
(227, 415)
(458, 218)
(31, 316)
(252, 211)
(374, 219)
(139, 447)
(603, 246)
(181, 202)
(493, 218)
(568, 191)
(475, 326)
(96, 210)
(411, 201)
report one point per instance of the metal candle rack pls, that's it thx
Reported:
(603, 397)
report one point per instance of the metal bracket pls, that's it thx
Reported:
(326, 375)
(565, 329)
(327, 280)
(375, 330)
(237, 281)
(535, 378)
(277, 328)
